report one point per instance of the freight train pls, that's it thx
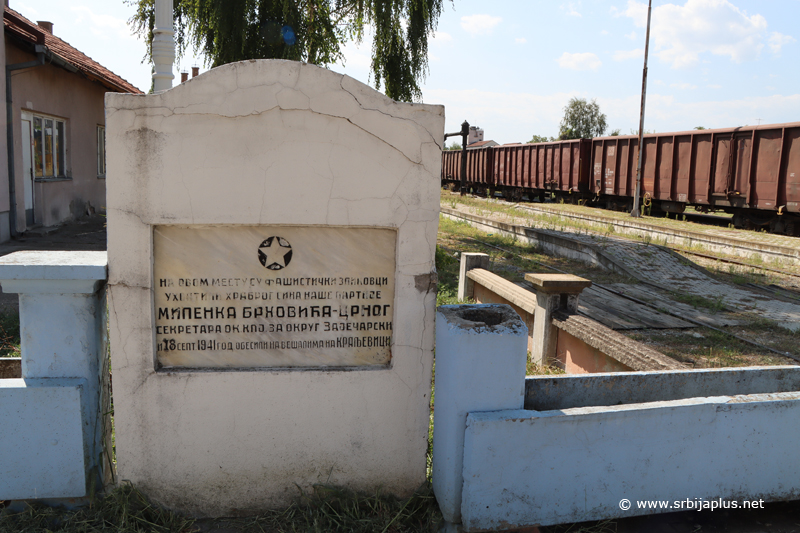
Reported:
(751, 172)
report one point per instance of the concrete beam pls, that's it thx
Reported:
(468, 262)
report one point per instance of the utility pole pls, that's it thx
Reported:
(636, 197)
(163, 47)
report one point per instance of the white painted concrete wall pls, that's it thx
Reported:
(548, 467)
(270, 142)
(52, 420)
(479, 366)
(42, 438)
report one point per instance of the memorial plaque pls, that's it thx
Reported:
(273, 296)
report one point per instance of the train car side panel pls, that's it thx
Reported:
(663, 183)
(768, 161)
(682, 168)
(649, 160)
(790, 196)
(700, 175)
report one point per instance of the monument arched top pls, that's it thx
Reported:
(256, 86)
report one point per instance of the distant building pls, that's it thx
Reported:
(481, 144)
(475, 139)
(56, 148)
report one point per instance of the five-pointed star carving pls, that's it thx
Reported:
(274, 253)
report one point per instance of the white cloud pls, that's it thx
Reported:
(585, 61)
(777, 40)
(514, 117)
(101, 25)
(682, 86)
(26, 10)
(714, 86)
(631, 35)
(622, 55)
(479, 24)
(505, 116)
(520, 40)
(572, 8)
(442, 37)
(665, 113)
(682, 33)
(605, 32)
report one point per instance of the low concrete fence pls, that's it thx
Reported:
(548, 306)
(55, 409)
(598, 446)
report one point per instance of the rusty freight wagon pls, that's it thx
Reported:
(562, 167)
(479, 168)
(752, 172)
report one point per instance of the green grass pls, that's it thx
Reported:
(9, 334)
(714, 305)
(447, 266)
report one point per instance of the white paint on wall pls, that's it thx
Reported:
(578, 464)
(270, 142)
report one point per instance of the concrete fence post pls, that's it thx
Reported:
(468, 262)
(554, 292)
(481, 353)
(53, 417)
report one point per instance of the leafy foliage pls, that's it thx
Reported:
(454, 146)
(9, 333)
(541, 139)
(305, 30)
(582, 120)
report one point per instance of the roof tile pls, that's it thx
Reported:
(93, 70)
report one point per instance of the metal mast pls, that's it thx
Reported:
(636, 197)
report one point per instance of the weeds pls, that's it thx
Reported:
(126, 510)
(533, 369)
(714, 305)
(9, 334)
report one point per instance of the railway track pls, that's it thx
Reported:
(744, 246)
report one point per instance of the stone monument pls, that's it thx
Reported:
(271, 238)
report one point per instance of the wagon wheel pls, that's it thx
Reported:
(513, 194)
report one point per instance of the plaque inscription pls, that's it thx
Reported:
(273, 296)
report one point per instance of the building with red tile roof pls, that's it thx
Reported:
(54, 160)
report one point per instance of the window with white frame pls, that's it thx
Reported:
(49, 147)
(101, 152)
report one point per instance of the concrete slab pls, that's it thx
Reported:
(42, 438)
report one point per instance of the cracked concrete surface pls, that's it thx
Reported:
(270, 143)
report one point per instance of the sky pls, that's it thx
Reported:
(510, 66)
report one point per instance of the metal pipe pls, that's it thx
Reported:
(12, 189)
(464, 136)
(636, 213)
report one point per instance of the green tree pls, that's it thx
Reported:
(454, 146)
(313, 31)
(699, 127)
(615, 133)
(540, 139)
(582, 120)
